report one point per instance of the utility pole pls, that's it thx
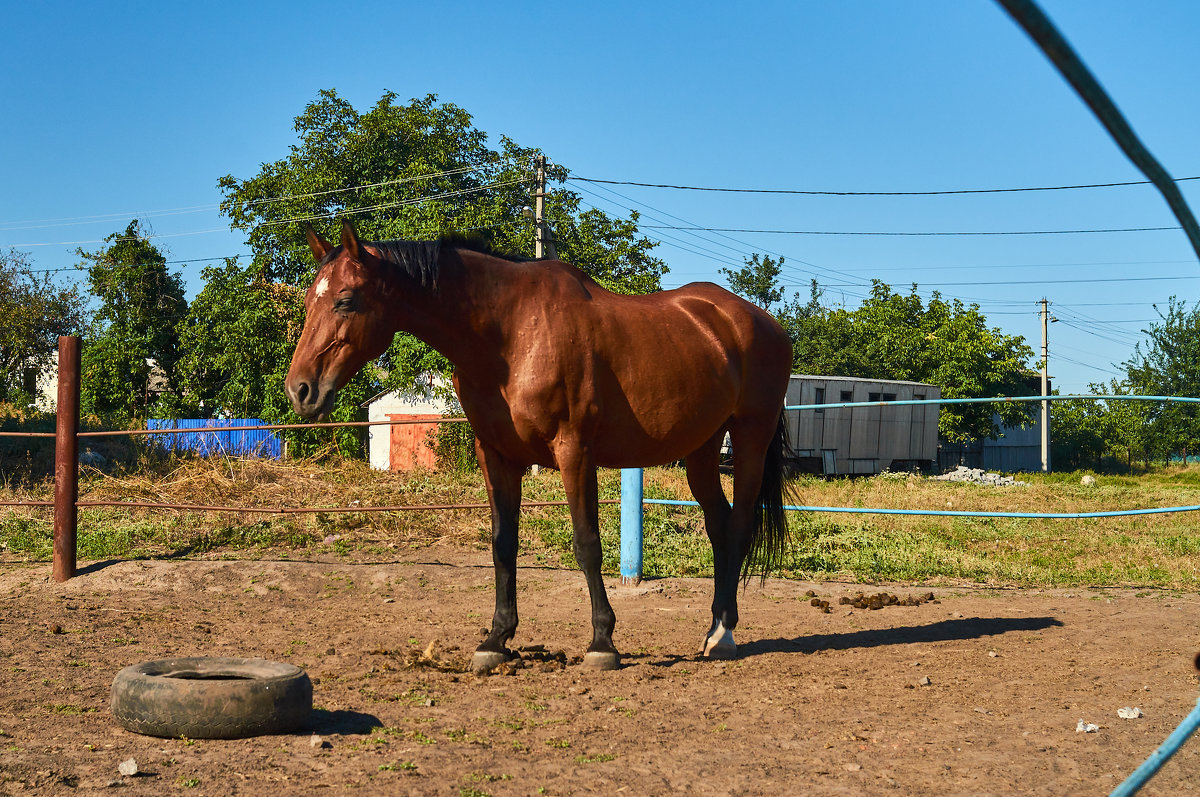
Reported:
(544, 245)
(1045, 313)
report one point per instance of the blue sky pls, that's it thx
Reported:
(136, 109)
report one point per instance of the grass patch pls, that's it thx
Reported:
(1160, 551)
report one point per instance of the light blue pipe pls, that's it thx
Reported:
(631, 525)
(951, 513)
(1001, 400)
(632, 500)
(1137, 779)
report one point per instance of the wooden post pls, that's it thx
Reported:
(66, 459)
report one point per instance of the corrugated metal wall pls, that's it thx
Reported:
(862, 439)
(246, 443)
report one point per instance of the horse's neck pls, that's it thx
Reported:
(465, 318)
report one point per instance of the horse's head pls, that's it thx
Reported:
(345, 323)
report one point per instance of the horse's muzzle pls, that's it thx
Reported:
(309, 399)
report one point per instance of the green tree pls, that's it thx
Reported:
(238, 337)
(1127, 428)
(757, 280)
(35, 312)
(1167, 363)
(944, 343)
(129, 355)
(415, 171)
(1079, 434)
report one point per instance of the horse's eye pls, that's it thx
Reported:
(344, 304)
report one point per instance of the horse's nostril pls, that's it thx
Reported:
(302, 392)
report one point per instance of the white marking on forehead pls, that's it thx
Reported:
(322, 286)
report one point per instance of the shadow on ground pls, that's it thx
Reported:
(944, 631)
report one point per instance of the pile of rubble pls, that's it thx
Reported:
(977, 475)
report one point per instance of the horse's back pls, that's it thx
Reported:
(682, 363)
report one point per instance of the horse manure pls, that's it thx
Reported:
(877, 601)
(810, 594)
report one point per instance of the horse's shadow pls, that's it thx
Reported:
(943, 631)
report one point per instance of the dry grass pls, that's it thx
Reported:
(1155, 551)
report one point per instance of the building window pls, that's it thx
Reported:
(847, 396)
(819, 398)
(881, 397)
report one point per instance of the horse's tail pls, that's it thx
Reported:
(769, 537)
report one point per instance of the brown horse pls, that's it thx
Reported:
(552, 369)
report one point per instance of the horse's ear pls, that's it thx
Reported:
(350, 240)
(319, 246)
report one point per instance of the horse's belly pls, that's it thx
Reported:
(657, 437)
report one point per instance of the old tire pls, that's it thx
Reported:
(211, 698)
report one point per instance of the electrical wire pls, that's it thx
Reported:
(945, 233)
(806, 192)
(68, 221)
(311, 217)
(745, 249)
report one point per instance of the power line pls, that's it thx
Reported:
(69, 221)
(995, 266)
(1096, 334)
(165, 262)
(745, 247)
(1109, 370)
(920, 234)
(806, 192)
(311, 217)
(1054, 282)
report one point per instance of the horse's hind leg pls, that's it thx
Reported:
(704, 477)
(579, 478)
(750, 440)
(503, 481)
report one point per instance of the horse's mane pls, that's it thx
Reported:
(420, 259)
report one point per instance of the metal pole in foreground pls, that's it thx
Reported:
(66, 459)
(1045, 387)
(631, 525)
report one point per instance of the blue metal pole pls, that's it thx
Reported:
(1159, 757)
(631, 525)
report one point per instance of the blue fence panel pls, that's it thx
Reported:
(241, 443)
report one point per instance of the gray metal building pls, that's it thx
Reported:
(862, 440)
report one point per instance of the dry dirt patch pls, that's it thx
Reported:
(976, 693)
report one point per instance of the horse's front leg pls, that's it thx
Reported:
(579, 478)
(503, 481)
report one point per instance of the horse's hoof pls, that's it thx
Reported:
(484, 661)
(719, 644)
(602, 660)
(721, 652)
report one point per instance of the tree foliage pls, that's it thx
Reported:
(757, 280)
(411, 171)
(129, 355)
(1167, 363)
(35, 312)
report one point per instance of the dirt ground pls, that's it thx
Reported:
(977, 693)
